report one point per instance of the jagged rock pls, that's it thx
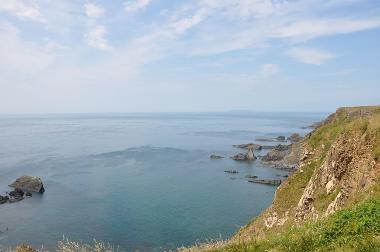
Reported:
(215, 157)
(28, 194)
(295, 138)
(250, 155)
(29, 183)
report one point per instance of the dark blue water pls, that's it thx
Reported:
(139, 181)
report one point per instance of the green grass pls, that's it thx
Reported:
(355, 229)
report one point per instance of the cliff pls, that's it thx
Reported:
(332, 201)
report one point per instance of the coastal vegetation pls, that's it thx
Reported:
(332, 201)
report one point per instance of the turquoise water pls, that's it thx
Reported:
(138, 181)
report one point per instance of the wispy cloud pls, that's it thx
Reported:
(96, 38)
(135, 5)
(93, 10)
(21, 9)
(310, 55)
(309, 29)
(182, 25)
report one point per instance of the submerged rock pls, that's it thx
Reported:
(215, 157)
(274, 182)
(251, 176)
(271, 139)
(231, 171)
(29, 184)
(245, 146)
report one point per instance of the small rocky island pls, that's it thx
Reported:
(23, 187)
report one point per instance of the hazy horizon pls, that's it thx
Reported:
(237, 112)
(94, 56)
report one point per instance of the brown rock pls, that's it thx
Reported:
(28, 183)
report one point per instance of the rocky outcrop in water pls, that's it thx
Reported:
(216, 157)
(29, 184)
(249, 156)
(23, 187)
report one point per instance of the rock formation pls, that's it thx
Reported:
(249, 156)
(29, 184)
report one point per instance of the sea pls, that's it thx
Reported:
(138, 181)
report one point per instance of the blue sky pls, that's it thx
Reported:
(188, 56)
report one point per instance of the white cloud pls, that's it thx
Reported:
(182, 25)
(93, 10)
(310, 29)
(268, 70)
(247, 8)
(135, 5)
(21, 9)
(96, 38)
(310, 55)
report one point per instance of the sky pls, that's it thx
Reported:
(87, 56)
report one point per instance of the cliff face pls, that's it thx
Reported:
(339, 167)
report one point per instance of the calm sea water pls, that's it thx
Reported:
(139, 181)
